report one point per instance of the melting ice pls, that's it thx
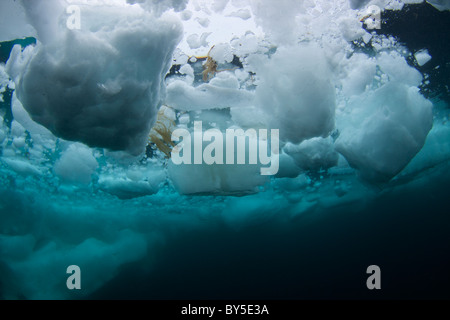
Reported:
(86, 114)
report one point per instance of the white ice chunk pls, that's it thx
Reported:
(22, 117)
(204, 22)
(127, 189)
(288, 167)
(160, 6)
(422, 57)
(249, 117)
(278, 18)
(17, 61)
(440, 4)
(244, 14)
(13, 22)
(45, 16)
(16, 246)
(186, 15)
(40, 276)
(216, 179)
(17, 130)
(249, 43)
(396, 67)
(222, 53)
(313, 154)
(194, 41)
(360, 74)
(19, 143)
(222, 92)
(100, 85)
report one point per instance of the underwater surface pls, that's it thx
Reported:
(226, 149)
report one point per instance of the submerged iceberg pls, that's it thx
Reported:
(93, 98)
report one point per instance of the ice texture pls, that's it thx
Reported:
(440, 4)
(384, 130)
(13, 22)
(76, 110)
(89, 86)
(221, 92)
(76, 165)
(313, 154)
(422, 57)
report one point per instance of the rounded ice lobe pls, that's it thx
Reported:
(296, 93)
(313, 154)
(102, 87)
(357, 4)
(76, 165)
(384, 130)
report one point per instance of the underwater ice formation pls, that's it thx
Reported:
(101, 85)
(77, 111)
(440, 4)
(295, 91)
